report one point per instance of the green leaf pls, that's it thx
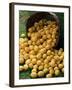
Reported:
(25, 74)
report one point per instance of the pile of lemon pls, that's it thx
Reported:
(38, 52)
